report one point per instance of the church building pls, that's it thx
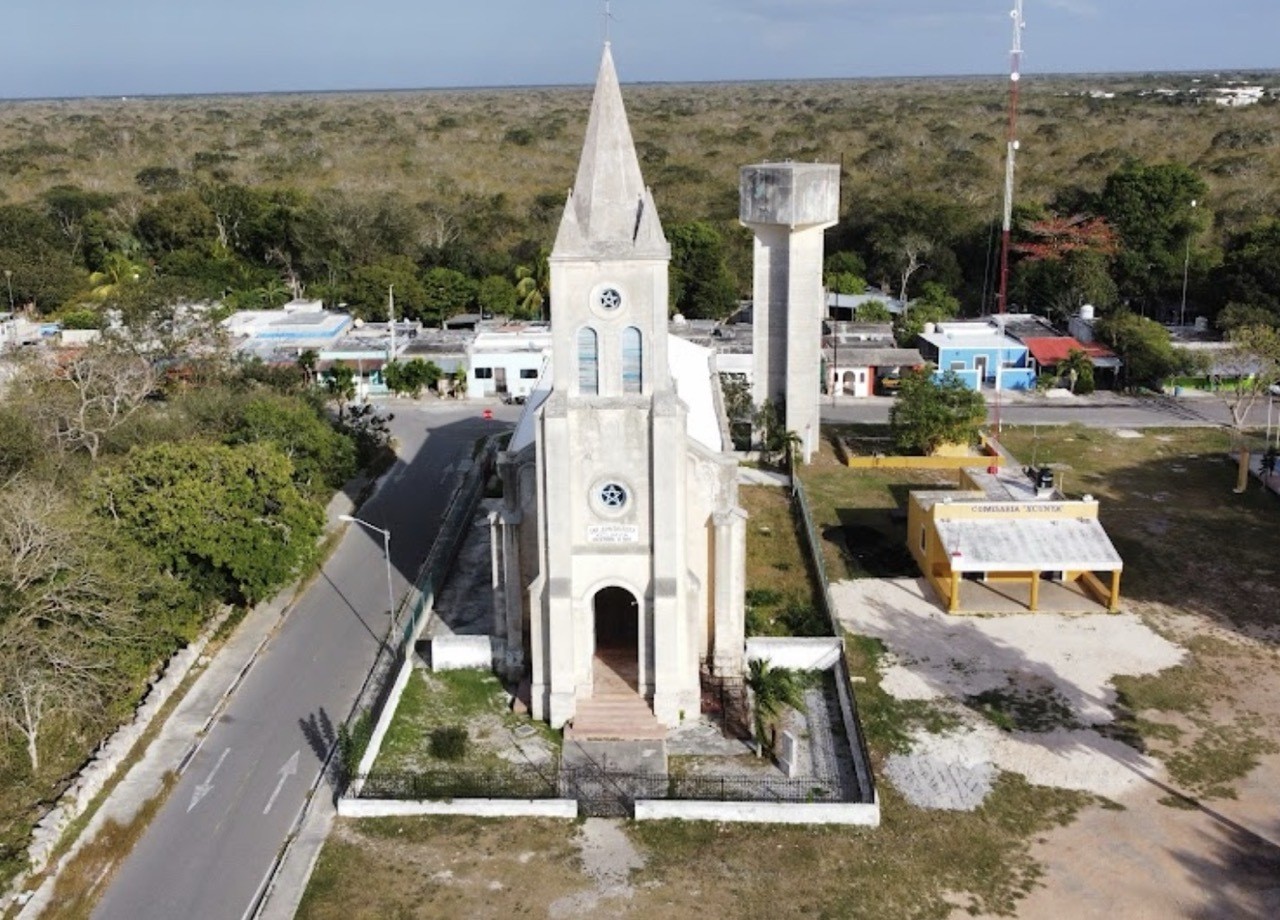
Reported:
(619, 551)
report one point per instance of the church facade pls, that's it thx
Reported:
(620, 546)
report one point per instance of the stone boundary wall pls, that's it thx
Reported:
(476, 808)
(111, 754)
(760, 812)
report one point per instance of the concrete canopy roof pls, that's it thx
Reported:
(1030, 545)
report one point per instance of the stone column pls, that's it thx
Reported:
(730, 592)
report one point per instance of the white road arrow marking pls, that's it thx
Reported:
(206, 787)
(289, 769)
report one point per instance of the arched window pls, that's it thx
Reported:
(632, 360)
(588, 362)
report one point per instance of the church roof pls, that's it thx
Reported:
(610, 212)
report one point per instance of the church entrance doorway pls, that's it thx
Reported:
(617, 629)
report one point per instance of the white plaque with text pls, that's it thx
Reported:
(613, 533)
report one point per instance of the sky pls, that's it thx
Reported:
(137, 47)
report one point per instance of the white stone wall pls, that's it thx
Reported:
(479, 808)
(759, 812)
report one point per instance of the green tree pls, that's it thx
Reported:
(1235, 315)
(340, 381)
(1142, 344)
(1151, 207)
(701, 286)
(845, 283)
(179, 221)
(322, 458)
(411, 376)
(1250, 367)
(228, 518)
(934, 305)
(447, 293)
(930, 411)
(496, 296)
(367, 290)
(1250, 271)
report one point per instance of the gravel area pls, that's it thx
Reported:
(1066, 661)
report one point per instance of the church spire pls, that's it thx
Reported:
(609, 208)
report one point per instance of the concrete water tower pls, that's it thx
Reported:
(788, 206)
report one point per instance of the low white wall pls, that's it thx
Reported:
(803, 654)
(383, 724)
(760, 812)
(458, 653)
(477, 808)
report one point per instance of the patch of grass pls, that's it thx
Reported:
(471, 699)
(923, 863)
(861, 513)
(1015, 708)
(887, 721)
(442, 867)
(87, 875)
(1219, 756)
(775, 568)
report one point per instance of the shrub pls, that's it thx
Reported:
(449, 743)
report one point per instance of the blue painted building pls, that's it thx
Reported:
(980, 354)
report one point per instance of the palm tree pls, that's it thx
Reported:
(533, 285)
(1078, 370)
(342, 386)
(274, 293)
(118, 271)
(773, 689)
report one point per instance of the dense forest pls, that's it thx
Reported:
(145, 487)
(454, 196)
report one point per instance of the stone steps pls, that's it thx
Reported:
(615, 716)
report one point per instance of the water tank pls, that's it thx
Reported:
(1086, 311)
(930, 328)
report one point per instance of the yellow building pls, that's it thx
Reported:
(1014, 535)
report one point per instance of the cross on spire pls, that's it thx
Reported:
(608, 17)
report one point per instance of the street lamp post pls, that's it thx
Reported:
(1272, 392)
(8, 280)
(1186, 266)
(386, 550)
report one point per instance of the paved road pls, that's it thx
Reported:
(1102, 410)
(207, 853)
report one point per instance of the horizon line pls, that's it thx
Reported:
(1052, 75)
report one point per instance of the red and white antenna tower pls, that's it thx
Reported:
(1011, 152)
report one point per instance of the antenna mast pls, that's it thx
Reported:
(1011, 151)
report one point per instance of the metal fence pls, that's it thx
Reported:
(461, 783)
(453, 531)
(813, 543)
(599, 791)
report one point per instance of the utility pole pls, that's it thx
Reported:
(1011, 151)
(1186, 267)
(391, 321)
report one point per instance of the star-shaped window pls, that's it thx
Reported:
(610, 299)
(613, 496)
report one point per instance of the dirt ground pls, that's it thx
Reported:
(1154, 846)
